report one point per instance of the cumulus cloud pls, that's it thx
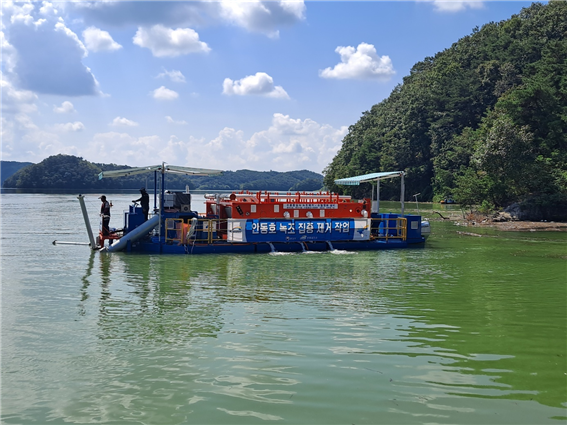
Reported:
(259, 84)
(123, 122)
(65, 108)
(263, 16)
(98, 40)
(49, 60)
(70, 126)
(48, 9)
(20, 13)
(40, 22)
(9, 54)
(456, 5)
(106, 147)
(172, 121)
(22, 139)
(144, 13)
(62, 28)
(361, 63)
(173, 75)
(167, 42)
(288, 144)
(34, 146)
(16, 101)
(163, 93)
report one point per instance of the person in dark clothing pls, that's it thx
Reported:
(144, 201)
(105, 214)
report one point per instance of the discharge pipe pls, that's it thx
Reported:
(93, 244)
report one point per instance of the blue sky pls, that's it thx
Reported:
(261, 85)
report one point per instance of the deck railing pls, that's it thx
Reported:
(212, 230)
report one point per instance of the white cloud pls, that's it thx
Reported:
(47, 9)
(361, 63)
(39, 22)
(265, 17)
(97, 40)
(167, 42)
(61, 27)
(106, 147)
(20, 14)
(163, 93)
(172, 121)
(258, 84)
(49, 60)
(288, 144)
(70, 126)
(16, 101)
(173, 75)
(9, 55)
(456, 5)
(22, 140)
(262, 16)
(123, 122)
(65, 108)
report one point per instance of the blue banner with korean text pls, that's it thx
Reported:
(266, 230)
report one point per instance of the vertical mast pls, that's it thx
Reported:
(155, 190)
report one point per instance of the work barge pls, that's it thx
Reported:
(258, 221)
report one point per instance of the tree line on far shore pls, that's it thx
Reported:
(71, 172)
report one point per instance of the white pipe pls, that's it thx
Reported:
(70, 243)
(93, 244)
(135, 234)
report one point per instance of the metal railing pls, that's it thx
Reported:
(211, 230)
(207, 230)
(389, 228)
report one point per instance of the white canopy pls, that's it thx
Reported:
(355, 181)
(189, 171)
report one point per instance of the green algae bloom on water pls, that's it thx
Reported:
(467, 330)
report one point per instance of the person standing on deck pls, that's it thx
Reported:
(105, 214)
(144, 201)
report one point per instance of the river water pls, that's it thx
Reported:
(467, 330)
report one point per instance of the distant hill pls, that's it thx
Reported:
(71, 172)
(9, 168)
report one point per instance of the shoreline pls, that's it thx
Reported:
(477, 220)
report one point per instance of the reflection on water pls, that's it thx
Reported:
(467, 330)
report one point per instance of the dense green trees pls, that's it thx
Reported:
(484, 121)
(71, 172)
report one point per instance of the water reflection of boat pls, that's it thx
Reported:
(263, 221)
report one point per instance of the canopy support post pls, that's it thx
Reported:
(378, 196)
(403, 190)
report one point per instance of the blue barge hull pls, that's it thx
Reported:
(264, 247)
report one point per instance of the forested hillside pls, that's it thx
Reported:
(8, 168)
(71, 172)
(484, 121)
